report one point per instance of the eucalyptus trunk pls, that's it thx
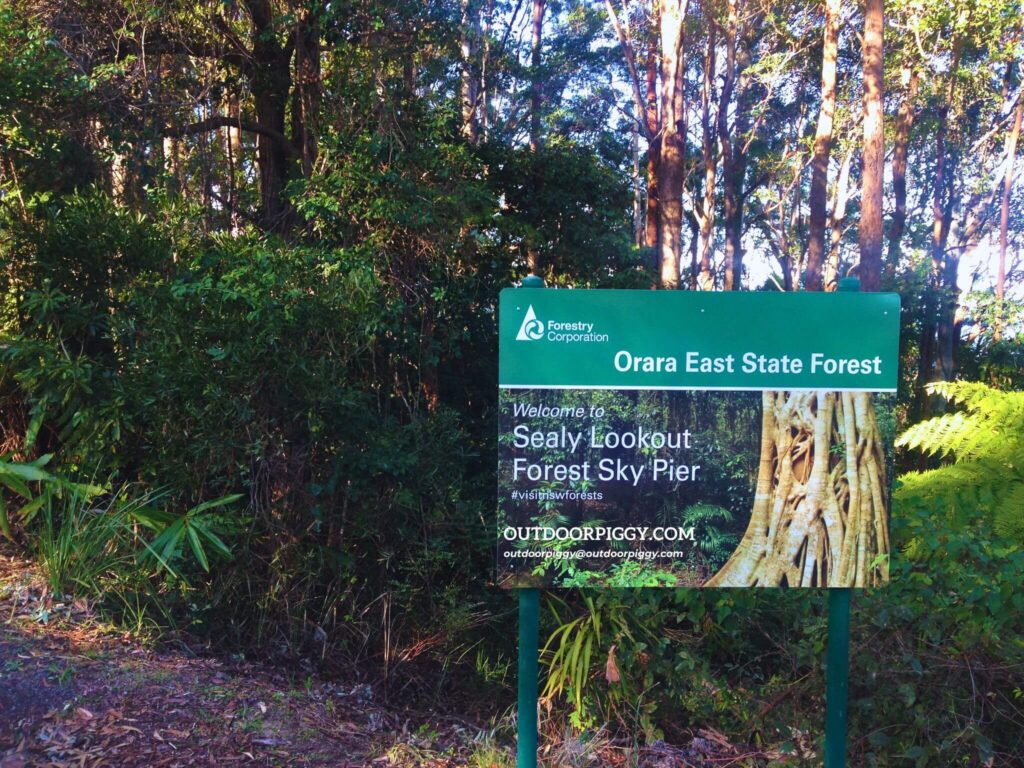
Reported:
(671, 172)
(816, 249)
(872, 173)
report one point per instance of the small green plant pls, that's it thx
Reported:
(577, 643)
(496, 670)
(97, 545)
(172, 531)
(19, 478)
(62, 675)
(82, 544)
(487, 754)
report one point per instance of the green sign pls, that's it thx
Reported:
(689, 340)
(674, 438)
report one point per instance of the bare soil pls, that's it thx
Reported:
(75, 691)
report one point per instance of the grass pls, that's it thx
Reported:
(89, 546)
(487, 754)
(80, 545)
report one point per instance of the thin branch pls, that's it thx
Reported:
(227, 121)
(634, 78)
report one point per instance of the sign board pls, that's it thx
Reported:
(677, 438)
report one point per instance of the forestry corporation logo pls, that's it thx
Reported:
(532, 329)
(559, 331)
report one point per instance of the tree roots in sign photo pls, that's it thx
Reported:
(819, 516)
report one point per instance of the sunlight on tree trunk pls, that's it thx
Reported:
(653, 145)
(838, 220)
(874, 149)
(909, 79)
(1004, 214)
(469, 77)
(673, 127)
(533, 264)
(823, 148)
(706, 280)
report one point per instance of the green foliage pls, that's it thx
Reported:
(39, 87)
(76, 264)
(543, 195)
(15, 477)
(82, 544)
(34, 485)
(983, 443)
(580, 644)
(155, 370)
(682, 656)
(707, 521)
(172, 531)
(943, 640)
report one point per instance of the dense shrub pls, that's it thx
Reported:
(343, 386)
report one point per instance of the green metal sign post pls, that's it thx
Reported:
(837, 663)
(837, 674)
(529, 651)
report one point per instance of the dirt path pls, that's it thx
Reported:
(74, 692)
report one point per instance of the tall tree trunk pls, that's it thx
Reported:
(707, 215)
(485, 63)
(270, 83)
(1004, 214)
(539, 7)
(652, 216)
(904, 122)
(967, 235)
(941, 217)
(233, 152)
(823, 148)
(172, 164)
(691, 220)
(948, 327)
(307, 88)
(734, 157)
(671, 171)
(838, 220)
(469, 77)
(638, 192)
(819, 515)
(874, 149)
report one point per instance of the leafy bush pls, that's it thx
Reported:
(290, 374)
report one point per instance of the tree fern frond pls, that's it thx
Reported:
(1009, 512)
(984, 440)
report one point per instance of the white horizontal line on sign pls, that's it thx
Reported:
(695, 389)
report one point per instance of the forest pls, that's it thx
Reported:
(250, 258)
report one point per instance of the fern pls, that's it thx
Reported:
(984, 444)
(708, 520)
